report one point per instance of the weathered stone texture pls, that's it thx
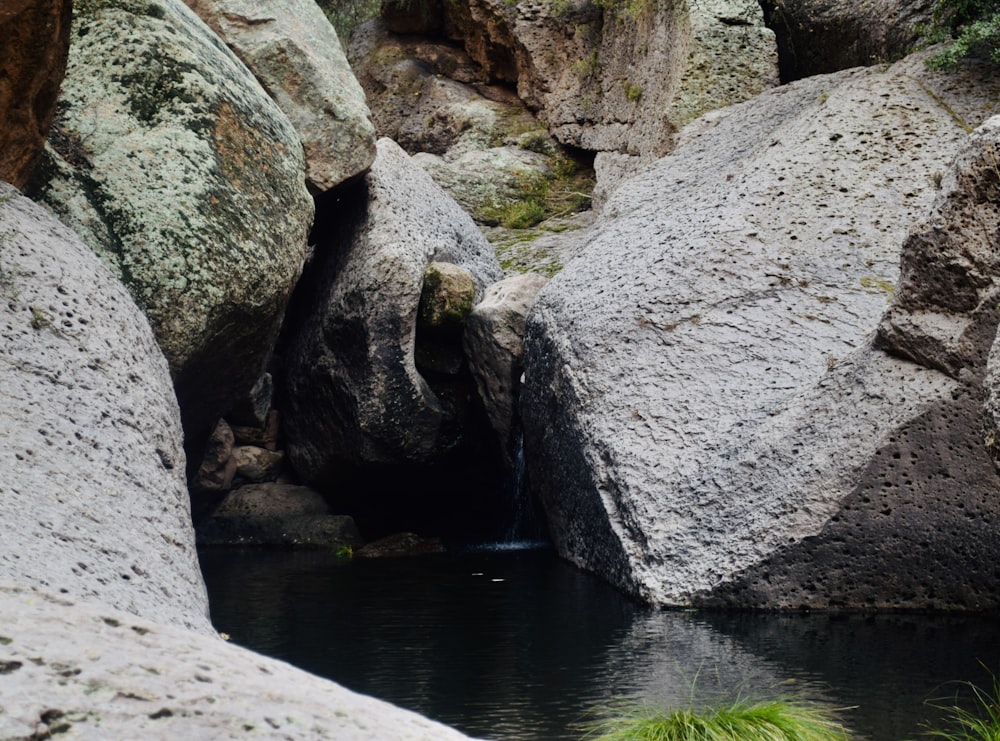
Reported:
(97, 673)
(295, 53)
(174, 165)
(352, 391)
(93, 489)
(821, 36)
(494, 346)
(623, 78)
(703, 405)
(33, 50)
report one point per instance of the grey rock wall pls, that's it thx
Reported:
(705, 415)
(91, 465)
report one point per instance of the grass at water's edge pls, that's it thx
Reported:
(785, 720)
(771, 720)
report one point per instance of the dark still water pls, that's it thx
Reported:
(519, 645)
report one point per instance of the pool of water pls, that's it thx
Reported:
(520, 645)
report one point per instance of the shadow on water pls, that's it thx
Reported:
(520, 645)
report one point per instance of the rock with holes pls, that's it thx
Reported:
(706, 418)
(77, 670)
(622, 77)
(293, 50)
(820, 36)
(93, 489)
(352, 391)
(36, 42)
(175, 166)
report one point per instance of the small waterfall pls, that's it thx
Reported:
(526, 524)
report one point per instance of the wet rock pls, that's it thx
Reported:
(277, 515)
(352, 391)
(95, 500)
(36, 44)
(217, 468)
(706, 419)
(175, 166)
(400, 545)
(295, 53)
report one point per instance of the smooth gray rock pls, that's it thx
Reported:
(352, 391)
(703, 409)
(175, 166)
(92, 672)
(294, 51)
(92, 485)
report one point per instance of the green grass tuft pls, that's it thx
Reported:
(772, 720)
(980, 724)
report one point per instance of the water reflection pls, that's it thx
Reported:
(519, 645)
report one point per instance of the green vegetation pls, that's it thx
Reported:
(633, 92)
(347, 15)
(773, 720)
(345, 551)
(564, 190)
(981, 724)
(973, 26)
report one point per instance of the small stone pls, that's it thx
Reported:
(447, 296)
(257, 464)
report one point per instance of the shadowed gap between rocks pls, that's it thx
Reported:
(462, 496)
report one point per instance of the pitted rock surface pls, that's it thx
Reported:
(93, 485)
(619, 79)
(294, 51)
(352, 390)
(97, 673)
(175, 166)
(701, 395)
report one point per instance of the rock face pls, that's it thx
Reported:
(36, 43)
(295, 53)
(174, 165)
(821, 36)
(706, 420)
(622, 78)
(93, 489)
(494, 345)
(277, 515)
(95, 672)
(352, 391)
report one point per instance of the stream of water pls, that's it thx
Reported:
(520, 645)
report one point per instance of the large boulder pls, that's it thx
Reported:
(93, 489)
(706, 419)
(352, 392)
(821, 36)
(295, 53)
(35, 35)
(623, 77)
(94, 672)
(175, 166)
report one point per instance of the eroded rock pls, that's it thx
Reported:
(706, 420)
(175, 166)
(93, 487)
(352, 391)
(295, 53)
(93, 671)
